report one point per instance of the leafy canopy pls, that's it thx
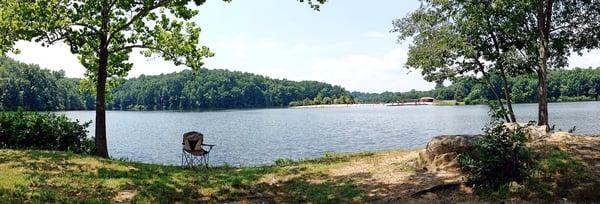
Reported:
(458, 36)
(159, 28)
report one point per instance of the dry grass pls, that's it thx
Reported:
(63, 177)
(391, 176)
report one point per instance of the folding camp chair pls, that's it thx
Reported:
(193, 153)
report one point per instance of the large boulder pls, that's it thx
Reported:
(534, 133)
(442, 151)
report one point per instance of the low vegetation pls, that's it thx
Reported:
(320, 100)
(392, 176)
(448, 103)
(44, 131)
(499, 158)
(42, 176)
(505, 165)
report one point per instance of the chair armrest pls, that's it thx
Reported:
(209, 147)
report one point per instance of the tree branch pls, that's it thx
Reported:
(138, 16)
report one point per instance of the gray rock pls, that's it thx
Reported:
(442, 151)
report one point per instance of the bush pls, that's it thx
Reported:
(500, 157)
(44, 131)
(284, 162)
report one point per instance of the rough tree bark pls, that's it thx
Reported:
(100, 131)
(544, 19)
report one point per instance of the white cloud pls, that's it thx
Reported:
(588, 59)
(374, 34)
(300, 47)
(369, 73)
(265, 44)
(56, 57)
(355, 72)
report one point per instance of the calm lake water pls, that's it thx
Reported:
(254, 137)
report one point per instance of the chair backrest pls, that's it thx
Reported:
(192, 141)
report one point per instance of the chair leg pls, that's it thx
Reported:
(207, 159)
(194, 162)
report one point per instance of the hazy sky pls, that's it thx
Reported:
(347, 43)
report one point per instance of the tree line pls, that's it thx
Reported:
(486, 38)
(31, 88)
(564, 85)
(216, 89)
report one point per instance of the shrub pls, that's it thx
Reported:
(45, 131)
(284, 162)
(500, 157)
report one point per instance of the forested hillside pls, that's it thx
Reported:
(33, 88)
(563, 85)
(216, 89)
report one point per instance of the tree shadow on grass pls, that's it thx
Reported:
(64, 177)
(310, 187)
(173, 184)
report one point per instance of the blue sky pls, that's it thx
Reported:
(347, 43)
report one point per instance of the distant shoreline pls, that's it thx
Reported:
(341, 105)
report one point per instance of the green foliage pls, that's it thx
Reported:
(31, 88)
(103, 34)
(564, 85)
(30, 130)
(344, 99)
(559, 174)
(59, 177)
(389, 97)
(284, 162)
(216, 89)
(500, 157)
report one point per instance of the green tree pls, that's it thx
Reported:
(456, 38)
(558, 27)
(103, 33)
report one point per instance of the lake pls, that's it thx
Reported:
(260, 136)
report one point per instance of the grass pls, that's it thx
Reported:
(380, 177)
(448, 103)
(45, 176)
(561, 174)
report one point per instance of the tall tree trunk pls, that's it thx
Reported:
(544, 19)
(507, 95)
(542, 94)
(101, 144)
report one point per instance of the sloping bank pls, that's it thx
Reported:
(392, 176)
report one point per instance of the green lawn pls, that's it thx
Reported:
(43, 176)
(381, 177)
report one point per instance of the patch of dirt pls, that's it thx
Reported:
(394, 176)
(400, 176)
(124, 196)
